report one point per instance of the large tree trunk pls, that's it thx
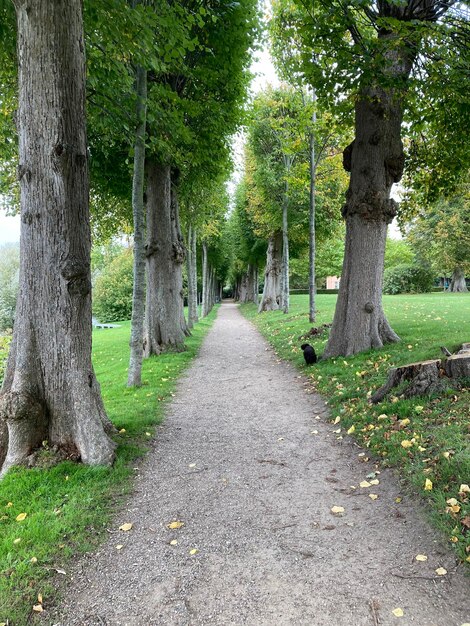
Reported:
(134, 377)
(192, 277)
(50, 391)
(165, 327)
(375, 160)
(457, 283)
(251, 284)
(311, 228)
(272, 275)
(205, 282)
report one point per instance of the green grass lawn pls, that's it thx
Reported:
(69, 506)
(426, 438)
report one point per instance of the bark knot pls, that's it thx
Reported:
(76, 274)
(369, 307)
(18, 405)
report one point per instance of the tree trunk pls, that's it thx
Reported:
(205, 282)
(457, 283)
(50, 391)
(285, 253)
(272, 287)
(243, 289)
(165, 327)
(134, 377)
(192, 277)
(311, 229)
(178, 258)
(375, 159)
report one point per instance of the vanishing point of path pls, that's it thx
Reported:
(236, 460)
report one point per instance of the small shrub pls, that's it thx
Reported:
(112, 293)
(408, 279)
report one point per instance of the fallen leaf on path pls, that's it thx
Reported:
(193, 551)
(337, 420)
(351, 430)
(40, 598)
(337, 510)
(119, 547)
(280, 438)
(21, 517)
(421, 557)
(175, 525)
(314, 432)
(192, 465)
(126, 527)
(364, 484)
(375, 481)
(38, 608)
(174, 542)
(398, 612)
(441, 571)
(398, 500)
(373, 496)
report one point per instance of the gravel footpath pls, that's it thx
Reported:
(248, 461)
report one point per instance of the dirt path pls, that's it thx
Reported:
(238, 463)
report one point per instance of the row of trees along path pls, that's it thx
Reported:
(249, 466)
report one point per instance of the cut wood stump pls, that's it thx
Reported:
(427, 377)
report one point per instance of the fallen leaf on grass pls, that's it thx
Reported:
(406, 443)
(17, 540)
(351, 430)
(441, 571)
(398, 612)
(175, 525)
(337, 510)
(464, 489)
(126, 527)
(9, 504)
(421, 557)
(428, 485)
(33, 560)
(123, 430)
(21, 517)
(38, 608)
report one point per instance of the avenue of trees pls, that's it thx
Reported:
(118, 118)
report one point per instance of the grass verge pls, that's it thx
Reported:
(48, 516)
(428, 439)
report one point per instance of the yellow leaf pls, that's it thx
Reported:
(337, 420)
(174, 542)
(39, 598)
(421, 557)
(314, 432)
(194, 551)
(452, 501)
(446, 455)
(398, 500)
(38, 608)
(148, 434)
(428, 485)
(175, 525)
(123, 430)
(441, 571)
(382, 416)
(373, 496)
(337, 510)
(376, 481)
(17, 540)
(351, 430)
(119, 547)
(126, 527)
(404, 422)
(454, 539)
(337, 431)
(10, 504)
(406, 443)
(33, 560)
(398, 612)
(464, 489)
(364, 484)
(419, 409)
(192, 465)
(21, 517)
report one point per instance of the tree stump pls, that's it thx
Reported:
(426, 377)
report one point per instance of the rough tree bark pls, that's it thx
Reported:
(285, 252)
(192, 277)
(375, 159)
(251, 284)
(165, 327)
(272, 275)
(134, 376)
(457, 283)
(205, 282)
(50, 391)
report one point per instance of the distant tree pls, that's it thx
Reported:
(441, 236)
(9, 280)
